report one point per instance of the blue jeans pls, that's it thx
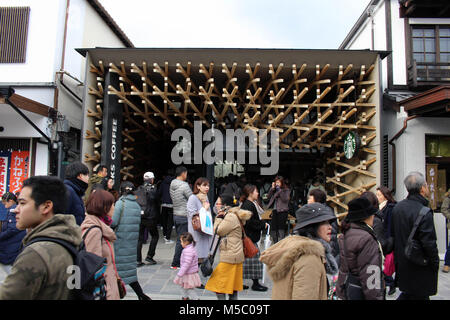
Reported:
(181, 226)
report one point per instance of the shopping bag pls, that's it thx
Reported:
(267, 244)
(389, 267)
(206, 221)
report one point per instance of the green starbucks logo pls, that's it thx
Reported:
(351, 145)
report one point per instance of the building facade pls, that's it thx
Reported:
(42, 82)
(415, 119)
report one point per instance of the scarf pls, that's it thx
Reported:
(107, 220)
(80, 184)
(331, 266)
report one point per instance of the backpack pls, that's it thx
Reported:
(92, 269)
(141, 194)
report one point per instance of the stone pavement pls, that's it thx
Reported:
(157, 280)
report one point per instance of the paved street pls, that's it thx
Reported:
(157, 280)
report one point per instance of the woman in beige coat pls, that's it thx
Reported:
(227, 277)
(298, 265)
(99, 210)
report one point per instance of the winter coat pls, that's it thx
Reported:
(363, 257)
(180, 193)
(296, 265)
(411, 278)
(387, 244)
(151, 210)
(188, 261)
(10, 238)
(280, 198)
(165, 190)
(40, 270)
(95, 179)
(254, 225)
(203, 240)
(75, 204)
(126, 229)
(95, 242)
(445, 209)
(229, 228)
(386, 214)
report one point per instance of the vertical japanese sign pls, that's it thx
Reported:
(432, 175)
(4, 165)
(19, 170)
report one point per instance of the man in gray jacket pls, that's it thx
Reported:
(180, 193)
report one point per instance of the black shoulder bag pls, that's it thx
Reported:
(413, 249)
(352, 285)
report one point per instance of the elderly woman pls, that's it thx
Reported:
(298, 265)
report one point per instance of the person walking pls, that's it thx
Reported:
(361, 253)
(227, 277)
(10, 236)
(299, 264)
(149, 219)
(126, 222)
(318, 196)
(416, 282)
(386, 206)
(166, 208)
(100, 173)
(197, 201)
(99, 237)
(76, 181)
(180, 193)
(40, 270)
(253, 268)
(279, 199)
(445, 209)
(187, 277)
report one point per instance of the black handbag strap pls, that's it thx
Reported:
(345, 254)
(422, 213)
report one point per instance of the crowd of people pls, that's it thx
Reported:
(379, 246)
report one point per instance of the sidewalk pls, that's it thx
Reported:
(157, 280)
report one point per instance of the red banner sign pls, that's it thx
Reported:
(19, 170)
(3, 175)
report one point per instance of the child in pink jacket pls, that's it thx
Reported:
(187, 276)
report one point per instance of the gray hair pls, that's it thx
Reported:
(414, 182)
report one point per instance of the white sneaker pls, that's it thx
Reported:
(168, 241)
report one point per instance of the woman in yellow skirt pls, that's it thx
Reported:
(227, 277)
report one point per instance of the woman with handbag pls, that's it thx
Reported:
(126, 221)
(227, 277)
(360, 270)
(253, 268)
(99, 240)
(299, 264)
(279, 196)
(196, 202)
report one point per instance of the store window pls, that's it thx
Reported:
(438, 168)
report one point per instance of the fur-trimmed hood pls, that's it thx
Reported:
(280, 257)
(243, 215)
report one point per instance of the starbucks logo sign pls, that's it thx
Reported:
(352, 144)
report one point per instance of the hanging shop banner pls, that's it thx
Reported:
(432, 176)
(19, 170)
(112, 130)
(4, 172)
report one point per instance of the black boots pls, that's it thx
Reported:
(257, 286)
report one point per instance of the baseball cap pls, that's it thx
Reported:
(149, 175)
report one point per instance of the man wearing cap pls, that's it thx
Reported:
(147, 197)
(361, 253)
(299, 264)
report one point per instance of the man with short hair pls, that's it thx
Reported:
(166, 207)
(416, 282)
(180, 193)
(76, 181)
(100, 173)
(40, 270)
(147, 197)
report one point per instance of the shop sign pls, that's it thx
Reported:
(19, 170)
(4, 162)
(352, 144)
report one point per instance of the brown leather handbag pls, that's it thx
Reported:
(196, 222)
(250, 250)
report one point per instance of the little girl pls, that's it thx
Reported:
(187, 276)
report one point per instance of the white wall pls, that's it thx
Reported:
(42, 160)
(16, 127)
(398, 45)
(43, 37)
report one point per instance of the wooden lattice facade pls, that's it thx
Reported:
(313, 99)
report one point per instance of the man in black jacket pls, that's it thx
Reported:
(149, 217)
(414, 281)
